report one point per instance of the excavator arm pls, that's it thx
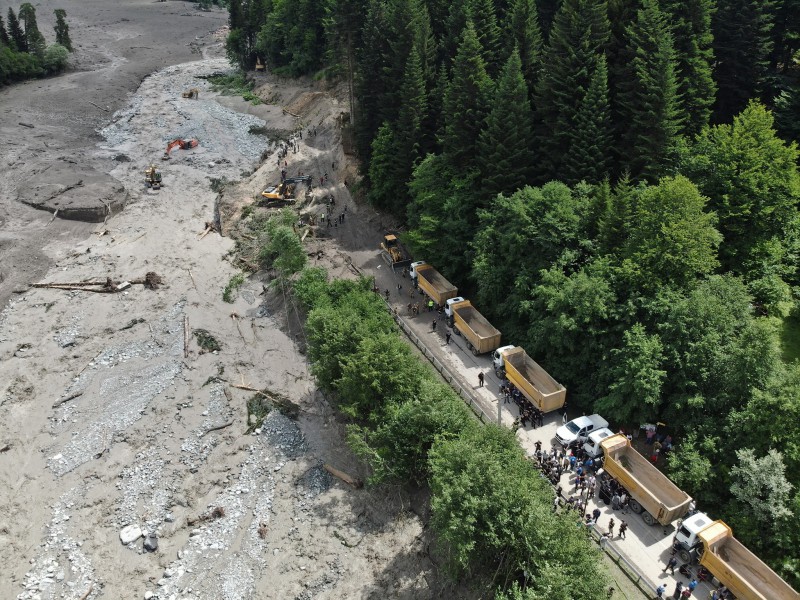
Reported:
(184, 145)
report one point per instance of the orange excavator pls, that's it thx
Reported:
(184, 145)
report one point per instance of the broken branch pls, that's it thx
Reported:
(356, 483)
(185, 336)
(67, 399)
(217, 428)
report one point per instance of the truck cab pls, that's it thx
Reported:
(578, 430)
(592, 445)
(689, 544)
(497, 357)
(448, 311)
(413, 269)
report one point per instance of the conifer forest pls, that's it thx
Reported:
(616, 184)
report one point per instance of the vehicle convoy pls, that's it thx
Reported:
(152, 178)
(651, 492)
(481, 336)
(431, 282)
(578, 430)
(727, 559)
(285, 190)
(179, 143)
(528, 377)
(394, 253)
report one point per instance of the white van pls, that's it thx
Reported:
(578, 430)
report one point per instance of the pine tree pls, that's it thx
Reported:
(523, 29)
(408, 131)
(457, 17)
(506, 142)
(382, 168)
(692, 38)
(16, 33)
(33, 37)
(484, 19)
(579, 34)
(649, 103)
(592, 142)
(547, 10)
(742, 46)
(62, 29)
(785, 35)
(465, 103)
(5, 40)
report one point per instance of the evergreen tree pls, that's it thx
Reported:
(485, 21)
(457, 17)
(409, 131)
(465, 103)
(5, 40)
(547, 10)
(523, 29)
(33, 37)
(505, 144)
(785, 34)
(579, 34)
(15, 32)
(649, 103)
(382, 168)
(742, 46)
(592, 143)
(62, 29)
(692, 38)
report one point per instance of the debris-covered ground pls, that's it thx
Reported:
(126, 465)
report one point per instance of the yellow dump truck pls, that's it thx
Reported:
(651, 492)
(481, 336)
(727, 559)
(431, 282)
(528, 377)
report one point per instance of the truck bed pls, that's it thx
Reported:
(534, 373)
(664, 500)
(533, 381)
(437, 281)
(739, 569)
(476, 321)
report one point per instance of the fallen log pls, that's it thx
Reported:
(67, 399)
(28, 125)
(291, 113)
(216, 428)
(5, 448)
(356, 483)
(185, 336)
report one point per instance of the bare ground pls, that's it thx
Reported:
(109, 422)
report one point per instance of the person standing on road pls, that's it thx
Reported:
(660, 591)
(433, 326)
(480, 379)
(447, 338)
(623, 527)
(673, 562)
(611, 524)
(678, 589)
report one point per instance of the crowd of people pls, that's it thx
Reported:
(528, 413)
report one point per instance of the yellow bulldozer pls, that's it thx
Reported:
(152, 178)
(192, 93)
(259, 65)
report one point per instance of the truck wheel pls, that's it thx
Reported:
(648, 518)
(685, 556)
(474, 351)
(635, 506)
(456, 331)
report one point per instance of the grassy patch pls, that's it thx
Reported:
(218, 184)
(260, 407)
(234, 284)
(790, 338)
(206, 341)
(234, 85)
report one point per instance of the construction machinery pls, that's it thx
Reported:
(152, 178)
(179, 143)
(481, 336)
(528, 377)
(259, 65)
(285, 190)
(394, 253)
(192, 93)
(432, 283)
